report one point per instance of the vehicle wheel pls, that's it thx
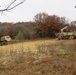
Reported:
(58, 38)
(5, 42)
(74, 37)
(0, 44)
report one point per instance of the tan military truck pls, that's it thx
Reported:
(65, 34)
(4, 40)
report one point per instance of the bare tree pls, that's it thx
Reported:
(12, 5)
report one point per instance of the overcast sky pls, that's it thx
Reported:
(27, 11)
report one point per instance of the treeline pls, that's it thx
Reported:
(43, 26)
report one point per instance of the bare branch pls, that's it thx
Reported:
(10, 4)
(10, 7)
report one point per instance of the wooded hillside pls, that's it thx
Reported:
(43, 26)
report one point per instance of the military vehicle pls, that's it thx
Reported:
(4, 40)
(65, 34)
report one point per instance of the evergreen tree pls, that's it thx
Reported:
(19, 36)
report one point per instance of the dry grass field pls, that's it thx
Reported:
(39, 57)
(27, 44)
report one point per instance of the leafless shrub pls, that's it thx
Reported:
(46, 48)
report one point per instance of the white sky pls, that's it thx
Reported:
(27, 11)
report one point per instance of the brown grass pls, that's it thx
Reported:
(42, 57)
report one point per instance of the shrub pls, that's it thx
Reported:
(19, 36)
